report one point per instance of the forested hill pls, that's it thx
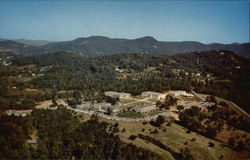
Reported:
(99, 46)
(220, 73)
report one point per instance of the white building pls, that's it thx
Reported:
(104, 107)
(153, 95)
(180, 93)
(85, 106)
(144, 108)
(114, 94)
(98, 105)
(113, 109)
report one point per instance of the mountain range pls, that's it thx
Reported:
(99, 46)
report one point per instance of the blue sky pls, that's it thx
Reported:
(204, 21)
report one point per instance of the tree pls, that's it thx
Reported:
(186, 154)
(179, 107)
(211, 132)
(111, 100)
(170, 100)
(109, 111)
(160, 120)
(231, 141)
(224, 104)
(158, 104)
(240, 146)
(211, 144)
(132, 137)
(211, 99)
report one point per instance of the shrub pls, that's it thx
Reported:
(224, 104)
(188, 131)
(180, 107)
(231, 141)
(211, 144)
(240, 146)
(132, 137)
(186, 154)
(154, 132)
(116, 124)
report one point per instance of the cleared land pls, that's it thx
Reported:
(174, 136)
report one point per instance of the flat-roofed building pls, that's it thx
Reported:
(84, 106)
(114, 94)
(144, 108)
(113, 109)
(98, 105)
(32, 141)
(105, 107)
(153, 95)
(180, 93)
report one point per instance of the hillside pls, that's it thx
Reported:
(33, 42)
(45, 80)
(99, 46)
(223, 73)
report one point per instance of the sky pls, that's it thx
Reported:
(221, 21)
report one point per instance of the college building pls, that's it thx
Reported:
(114, 94)
(144, 108)
(153, 95)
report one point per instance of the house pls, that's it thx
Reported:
(144, 108)
(114, 94)
(153, 95)
(180, 93)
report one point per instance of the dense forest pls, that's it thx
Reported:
(52, 140)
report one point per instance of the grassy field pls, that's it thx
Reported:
(174, 136)
(130, 114)
(177, 138)
(126, 100)
(132, 102)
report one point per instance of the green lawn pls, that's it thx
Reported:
(130, 114)
(125, 100)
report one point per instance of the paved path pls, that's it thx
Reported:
(233, 104)
(237, 107)
(198, 96)
(116, 118)
(136, 101)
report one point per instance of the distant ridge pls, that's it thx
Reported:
(99, 46)
(33, 42)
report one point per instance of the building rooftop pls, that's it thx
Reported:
(152, 93)
(103, 104)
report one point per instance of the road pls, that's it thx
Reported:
(233, 104)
